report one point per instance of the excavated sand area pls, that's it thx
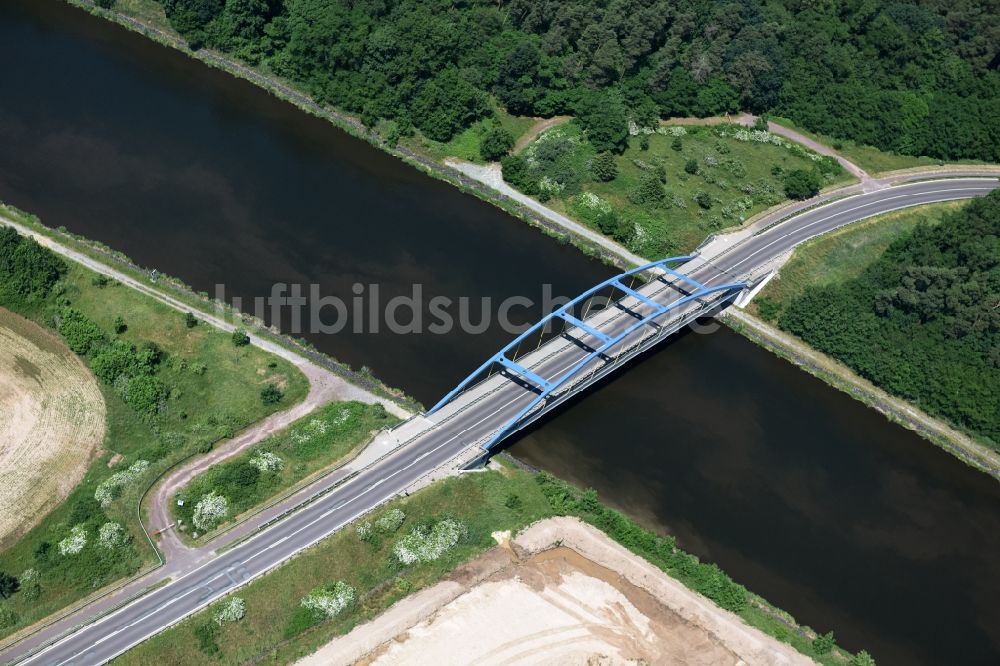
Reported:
(560, 593)
(52, 420)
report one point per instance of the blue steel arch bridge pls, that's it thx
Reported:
(601, 329)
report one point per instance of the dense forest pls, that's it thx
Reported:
(924, 320)
(915, 77)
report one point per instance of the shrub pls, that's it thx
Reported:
(28, 271)
(143, 393)
(111, 536)
(189, 320)
(120, 326)
(111, 488)
(271, 395)
(425, 544)
(823, 643)
(691, 167)
(8, 584)
(390, 521)
(30, 586)
(79, 332)
(75, 542)
(210, 510)
(266, 461)
(702, 199)
(496, 143)
(515, 171)
(677, 144)
(331, 600)
(604, 167)
(364, 530)
(862, 659)
(649, 192)
(231, 610)
(121, 358)
(802, 184)
(240, 338)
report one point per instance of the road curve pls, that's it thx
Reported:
(440, 442)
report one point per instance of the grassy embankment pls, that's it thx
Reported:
(711, 177)
(278, 628)
(315, 443)
(210, 388)
(869, 158)
(841, 255)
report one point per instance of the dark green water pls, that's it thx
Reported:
(799, 492)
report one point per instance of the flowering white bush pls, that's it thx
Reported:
(212, 508)
(390, 521)
(364, 529)
(427, 545)
(634, 129)
(111, 535)
(75, 542)
(546, 184)
(111, 487)
(266, 461)
(308, 431)
(231, 611)
(30, 586)
(588, 203)
(672, 130)
(331, 600)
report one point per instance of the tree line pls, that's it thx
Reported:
(917, 78)
(924, 320)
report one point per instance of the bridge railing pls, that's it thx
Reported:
(562, 312)
(546, 386)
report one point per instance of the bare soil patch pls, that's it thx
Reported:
(52, 421)
(560, 593)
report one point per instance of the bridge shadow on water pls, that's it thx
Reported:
(661, 348)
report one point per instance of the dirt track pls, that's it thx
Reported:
(52, 420)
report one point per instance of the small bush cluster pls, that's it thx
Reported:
(210, 510)
(111, 488)
(266, 461)
(111, 536)
(231, 610)
(426, 544)
(75, 542)
(331, 600)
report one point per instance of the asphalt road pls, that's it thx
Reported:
(446, 435)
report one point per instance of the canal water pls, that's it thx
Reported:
(802, 494)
